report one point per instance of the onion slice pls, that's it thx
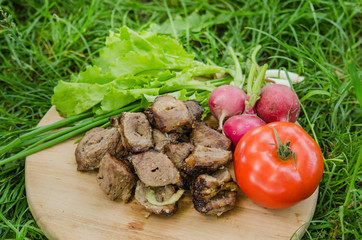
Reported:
(151, 197)
(231, 186)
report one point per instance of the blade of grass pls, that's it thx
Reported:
(356, 81)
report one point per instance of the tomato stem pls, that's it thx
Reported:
(284, 151)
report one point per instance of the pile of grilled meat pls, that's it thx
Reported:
(159, 152)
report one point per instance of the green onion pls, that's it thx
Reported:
(61, 135)
(43, 129)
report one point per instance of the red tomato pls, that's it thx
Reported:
(269, 180)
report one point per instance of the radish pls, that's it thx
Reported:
(226, 101)
(278, 103)
(237, 126)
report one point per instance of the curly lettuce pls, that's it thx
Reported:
(131, 66)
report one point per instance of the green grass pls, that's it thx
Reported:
(44, 42)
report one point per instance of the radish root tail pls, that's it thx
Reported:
(221, 120)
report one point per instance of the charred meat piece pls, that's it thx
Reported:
(162, 139)
(195, 110)
(178, 153)
(203, 135)
(136, 132)
(114, 121)
(168, 114)
(205, 159)
(120, 149)
(207, 186)
(116, 178)
(211, 121)
(217, 205)
(222, 175)
(184, 137)
(95, 144)
(162, 194)
(214, 194)
(155, 169)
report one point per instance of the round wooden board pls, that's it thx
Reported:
(68, 204)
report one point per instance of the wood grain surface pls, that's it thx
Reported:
(68, 204)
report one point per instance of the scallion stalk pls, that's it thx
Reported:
(62, 137)
(43, 129)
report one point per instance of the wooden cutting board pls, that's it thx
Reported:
(68, 204)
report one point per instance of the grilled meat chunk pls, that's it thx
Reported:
(168, 114)
(214, 194)
(114, 121)
(222, 175)
(116, 178)
(211, 121)
(155, 169)
(178, 152)
(162, 194)
(203, 135)
(136, 132)
(94, 145)
(207, 186)
(195, 110)
(217, 205)
(120, 149)
(205, 159)
(162, 139)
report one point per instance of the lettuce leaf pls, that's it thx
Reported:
(115, 99)
(74, 98)
(130, 53)
(130, 67)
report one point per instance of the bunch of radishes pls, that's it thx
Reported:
(256, 107)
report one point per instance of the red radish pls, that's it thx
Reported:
(278, 103)
(226, 101)
(237, 126)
